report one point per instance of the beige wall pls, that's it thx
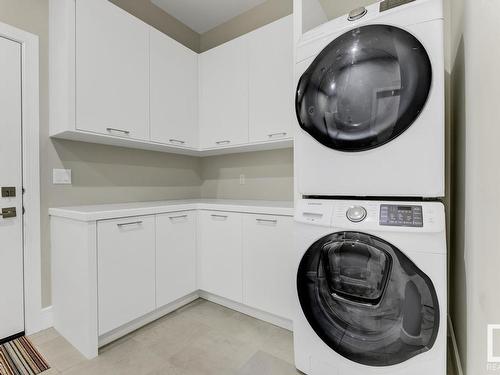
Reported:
(155, 16)
(268, 175)
(259, 16)
(476, 92)
(455, 73)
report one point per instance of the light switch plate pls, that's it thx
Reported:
(61, 176)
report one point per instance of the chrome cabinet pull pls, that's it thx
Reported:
(127, 132)
(274, 135)
(220, 216)
(223, 142)
(272, 221)
(128, 224)
(177, 141)
(178, 217)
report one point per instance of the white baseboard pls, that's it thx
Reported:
(151, 317)
(46, 318)
(250, 311)
(454, 350)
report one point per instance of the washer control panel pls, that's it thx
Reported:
(401, 216)
(356, 214)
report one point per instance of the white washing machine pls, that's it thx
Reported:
(371, 287)
(370, 103)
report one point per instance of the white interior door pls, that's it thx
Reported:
(11, 228)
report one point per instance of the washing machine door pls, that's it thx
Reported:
(364, 89)
(367, 300)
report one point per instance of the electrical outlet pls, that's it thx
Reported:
(242, 179)
(61, 176)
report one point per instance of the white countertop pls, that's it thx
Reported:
(119, 210)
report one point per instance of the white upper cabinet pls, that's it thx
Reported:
(174, 92)
(224, 95)
(271, 81)
(112, 71)
(115, 80)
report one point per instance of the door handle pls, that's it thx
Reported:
(223, 142)
(176, 141)
(8, 213)
(127, 132)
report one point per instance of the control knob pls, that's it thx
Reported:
(356, 214)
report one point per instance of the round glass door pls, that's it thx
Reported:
(364, 89)
(366, 300)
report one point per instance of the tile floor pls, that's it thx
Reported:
(202, 338)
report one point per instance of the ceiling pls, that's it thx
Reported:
(204, 15)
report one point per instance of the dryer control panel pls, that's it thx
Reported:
(401, 215)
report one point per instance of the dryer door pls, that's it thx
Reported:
(364, 89)
(366, 300)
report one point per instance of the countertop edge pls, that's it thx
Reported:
(260, 207)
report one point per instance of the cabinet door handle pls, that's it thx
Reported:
(220, 216)
(177, 141)
(223, 142)
(128, 224)
(127, 132)
(274, 135)
(178, 217)
(271, 221)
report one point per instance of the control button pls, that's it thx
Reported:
(357, 13)
(356, 214)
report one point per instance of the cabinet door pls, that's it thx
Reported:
(112, 71)
(126, 270)
(221, 254)
(269, 264)
(224, 95)
(175, 256)
(174, 92)
(271, 81)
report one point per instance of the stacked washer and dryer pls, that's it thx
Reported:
(370, 229)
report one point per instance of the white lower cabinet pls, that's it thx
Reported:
(175, 256)
(116, 274)
(126, 270)
(268, 264)
(220, 254)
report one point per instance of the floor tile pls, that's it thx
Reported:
(265, 364)
(59, 354)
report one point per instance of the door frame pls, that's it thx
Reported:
(33, 314)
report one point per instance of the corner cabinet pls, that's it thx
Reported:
(224, 95)
(116, 80)
(220, 254)
(174, 92)
(175, 256)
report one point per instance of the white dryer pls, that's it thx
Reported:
(371, 287)
(370, 103)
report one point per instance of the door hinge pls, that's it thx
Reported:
(23, 190)
(24, 211)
